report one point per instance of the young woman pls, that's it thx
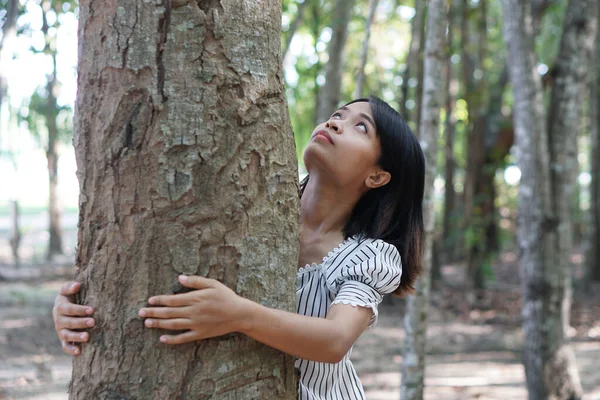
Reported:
(361, 214)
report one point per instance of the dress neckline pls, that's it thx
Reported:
(335, 250)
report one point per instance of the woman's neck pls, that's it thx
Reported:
(324, 208)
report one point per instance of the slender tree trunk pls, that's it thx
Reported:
(186, 164)
(593, 256)
(448, 224)
(15, 238)
(549, 363)
(565, 112)
(330, 93)
(9, 33)
(50, 115)
(294, 27)
(415, 321)
(414, 62)
(364, 52)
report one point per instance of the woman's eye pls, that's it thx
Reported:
(336, 116)
(362, 126)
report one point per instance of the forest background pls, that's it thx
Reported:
(474, 334)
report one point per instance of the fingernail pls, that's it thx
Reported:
(151, 300)
(76, 351)
(72, 285)
(89, 311)
(148, 322)
(142, 313)
(163, 339)
(183, 278)
(82, 336)
(90, 322)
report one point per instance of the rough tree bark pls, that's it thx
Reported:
(50, 112)
(415, 321)
(550, 367)
(364, 51)
(186, 164)
(330, 93)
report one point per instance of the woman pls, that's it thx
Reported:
(361, 214)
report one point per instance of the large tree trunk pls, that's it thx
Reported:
(330, 93)
(364, 51)
(549, 364)
(415, 321)
(593, 255)
(50, 112)
(186, 164)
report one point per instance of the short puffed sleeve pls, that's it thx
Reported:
(372, 270)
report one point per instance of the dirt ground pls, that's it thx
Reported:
(473, 353)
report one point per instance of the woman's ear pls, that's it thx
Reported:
(377, 179)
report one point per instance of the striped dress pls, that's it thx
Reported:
(357, 272)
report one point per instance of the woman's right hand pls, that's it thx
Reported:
(69, 316)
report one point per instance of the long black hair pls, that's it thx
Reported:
(393, 212)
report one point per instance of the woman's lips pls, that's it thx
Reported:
(325, 135)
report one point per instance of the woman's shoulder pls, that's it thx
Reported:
(373, 247)
(362, 251)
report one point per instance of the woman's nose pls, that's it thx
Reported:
(333, 125)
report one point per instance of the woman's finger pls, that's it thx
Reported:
(165, 312)
(171, 324)
(172, 300)
(75, 323)
(185, 337)
(71, 349)
(71, 336)
(70, 288)
(74, 310)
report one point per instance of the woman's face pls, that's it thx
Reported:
(346, 147)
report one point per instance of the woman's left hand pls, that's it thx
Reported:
(211, 310)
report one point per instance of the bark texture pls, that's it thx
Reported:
(549, 362)
(364, 51)
(186, 165)
(415, 321)
(330, 93)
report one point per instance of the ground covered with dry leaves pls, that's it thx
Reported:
(473, 347)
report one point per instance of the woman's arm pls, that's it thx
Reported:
(215, 310)
(311, 338)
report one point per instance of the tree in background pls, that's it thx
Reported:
(593, 255)
(364, 51)
(329, 94)
(294, 27)
(49, 121)
(415, 322)
(543, 229)
(9, 33)
(186, 165)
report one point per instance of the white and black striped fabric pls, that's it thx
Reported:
(357, 272)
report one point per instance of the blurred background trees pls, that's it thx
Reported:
(335, 50)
